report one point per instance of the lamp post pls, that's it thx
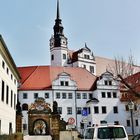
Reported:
(131, 107)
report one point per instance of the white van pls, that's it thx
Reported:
(105, 132)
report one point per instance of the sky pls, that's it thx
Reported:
(110, 28)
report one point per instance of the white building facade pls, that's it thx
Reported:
(71, 82)
(107, 105)
(9, 78)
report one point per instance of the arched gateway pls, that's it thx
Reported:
(42, 120)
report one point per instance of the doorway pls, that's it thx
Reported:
(40, 127)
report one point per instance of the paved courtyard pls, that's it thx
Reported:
(27, 137)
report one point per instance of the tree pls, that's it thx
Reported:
(122, 67)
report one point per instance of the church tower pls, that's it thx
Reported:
(58, 43)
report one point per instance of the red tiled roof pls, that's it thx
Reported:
(134, 82)
(41, 77)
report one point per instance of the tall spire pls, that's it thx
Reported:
(58, 28)
(57, 17)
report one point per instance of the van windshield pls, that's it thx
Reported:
(89, 133)
(111, 132)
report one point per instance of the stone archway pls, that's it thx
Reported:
(43, 121)
(39, 117)
(40, 127)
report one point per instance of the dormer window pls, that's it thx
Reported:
(108, 82)
(86, 56)
(105, 82)
(64, 83)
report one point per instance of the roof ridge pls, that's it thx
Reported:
(29, 75)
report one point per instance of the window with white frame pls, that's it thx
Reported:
(115, 109)
(25, 95)
(84, 96)
(64, 95)
(69, 110)
(69, 95)
(103, 94)
(104, 110)
(47, 95)
(35, 95)
(57, 95)
(78, 95)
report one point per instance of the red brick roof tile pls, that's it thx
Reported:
(41, 77)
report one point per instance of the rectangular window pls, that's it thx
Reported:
(105, 82)
(96, 109)
(115, 109)
(90, 95)
(114, 95)
(103, 109)
(126, 108)
(46, 95)
(103, 94)
(110, 83)
(7, 94)
(10, 128)
(57, 95)
(128, 122)
(69, 95)
(3, 64)
(84, 96)
(7, 70)
(35, 95)
(2, 90)
(109, 94)
(11, 98)
(11, 77)
(62, 83)
(69, 110)
(137, 123)
(66, 83)
(63, 95)
(59, 110)
(92, 69)
(15, 81)
(64, 56)
(78, 95)
(25, 96)
(79, 110)
(14, 101)
(86, 56)
(52, 57)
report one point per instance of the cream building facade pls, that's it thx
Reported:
(9, 78)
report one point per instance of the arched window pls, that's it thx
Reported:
(25, 107)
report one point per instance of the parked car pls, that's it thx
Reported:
(136, 137)
(105, 132)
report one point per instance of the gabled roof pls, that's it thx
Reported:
(41, 77)
(133, 92)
